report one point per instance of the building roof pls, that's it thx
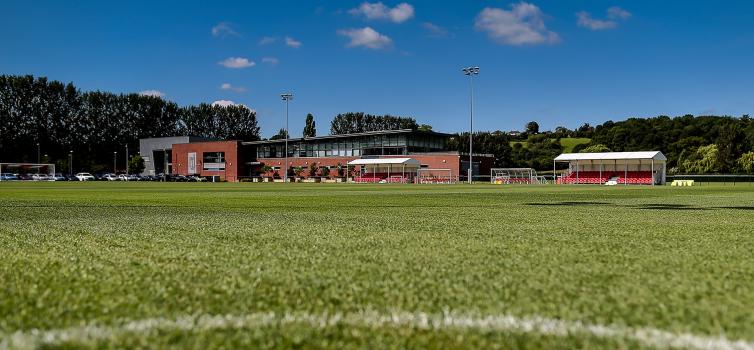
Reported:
(385, 161)
(367, 133)
(656, 155)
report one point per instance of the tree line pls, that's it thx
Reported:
(693, 145)
(57, 120)
(356, 122)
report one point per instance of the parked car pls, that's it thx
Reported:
(71, 177)
(163, 177)
(133, 177)
(24, 177)
(197, 178)
(85, 177)
(59, 177)
(41, 177)
(179, 178)
(110, 177)
(8, 177)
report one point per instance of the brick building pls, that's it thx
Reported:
(321, 156)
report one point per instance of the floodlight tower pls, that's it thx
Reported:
(471, 72)
(287, 97)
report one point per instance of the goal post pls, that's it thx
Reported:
(508, 176)
(435, 176)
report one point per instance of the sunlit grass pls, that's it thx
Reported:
(675, 259)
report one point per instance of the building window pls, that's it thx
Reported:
(213, 161)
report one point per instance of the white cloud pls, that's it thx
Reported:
(236, 62)
(291, 42)
(229, 87)
(270, 60)
(586, 21)
(267, 40)
(522, 25)
(616, 12)
(434, 30)
(224, 29)
(153, 93)
(366, 37)
(225, 103)
(372, 11)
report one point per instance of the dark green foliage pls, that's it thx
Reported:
(282, 134)
(496, 143)
(136, 164)
(310, 129)
(596, 148)
(94, 124)
(681, 136)
(532, 128)
(349, 123)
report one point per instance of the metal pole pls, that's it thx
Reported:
(471, 128)
(287, 134)
(286, 97)
(126, 159)
(70, 162)
(471, 71)
(39, 160)
(115, 162)
(554, 178)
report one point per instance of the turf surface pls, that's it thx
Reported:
(680, 260)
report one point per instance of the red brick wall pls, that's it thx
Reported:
(233, 163)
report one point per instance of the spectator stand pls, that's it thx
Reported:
(613, 168)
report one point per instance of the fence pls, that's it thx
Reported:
(720, 179)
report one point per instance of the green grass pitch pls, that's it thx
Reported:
(375, 266)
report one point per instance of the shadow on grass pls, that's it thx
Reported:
(657, 206)
(568, 204)
(736, 208)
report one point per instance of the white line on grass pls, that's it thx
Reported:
(370, 319)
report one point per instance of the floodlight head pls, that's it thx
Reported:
(286, 96)
(476, 70)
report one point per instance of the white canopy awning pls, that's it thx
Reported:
(385, 161)
(656, 155)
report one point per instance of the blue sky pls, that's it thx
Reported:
(559, 62)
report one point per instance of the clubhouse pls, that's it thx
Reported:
(321, 157)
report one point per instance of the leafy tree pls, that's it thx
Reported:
(496, 143)
(94, 124)
(598, 148)
(425, 127)
(532, 128)
(310, 129)
(136, 164)
(312, 169)
(703, 161)
(282, 134)
(746, 162)
(348, 123)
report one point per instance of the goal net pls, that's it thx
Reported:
(26, 171)
(435, 176)
(507, 176)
